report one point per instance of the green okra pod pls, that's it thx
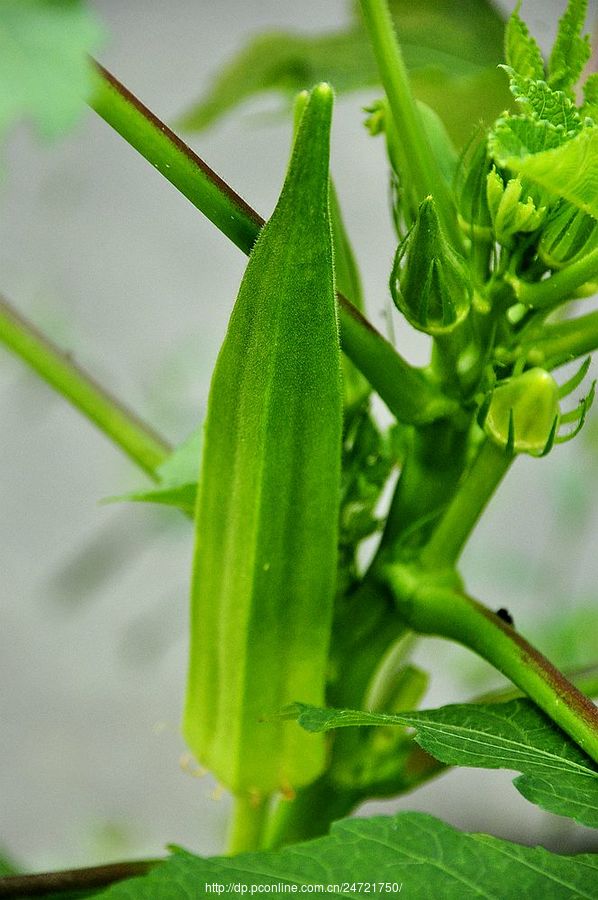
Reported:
(267, 510)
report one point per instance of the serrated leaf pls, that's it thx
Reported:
(429, 858)
(569, 171)
(544, 103)
(451, 51)
(45, 74)
(556, 774)
(516, 136)
(571, 50)
(522, 52)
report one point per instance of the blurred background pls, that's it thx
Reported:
(99, 251)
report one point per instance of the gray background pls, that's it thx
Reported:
(99, 250)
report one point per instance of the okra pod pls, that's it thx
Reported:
(266, 517)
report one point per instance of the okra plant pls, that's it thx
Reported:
(302, 697)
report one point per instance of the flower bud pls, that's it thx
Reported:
(524, 413)
(509, 215)
(430, 282)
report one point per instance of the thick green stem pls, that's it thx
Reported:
(404, 389)
(585, 680)
(134, 437)
(432, 609)
(428, 479)
(458, 521)
(423, 170)
(561, 286)
(248, 823)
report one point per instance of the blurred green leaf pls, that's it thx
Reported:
(45, 75)
(452, 51)
(7, 865)
(556, 774)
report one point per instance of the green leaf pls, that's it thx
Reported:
(556, 774)
(429, 858)
(571, 50)
(515, 137)
(267, 514)
(177, 477)
(522, 52)
(544, 103)
(287, 64)
(45, 75)
(569, 171)
(451, 50)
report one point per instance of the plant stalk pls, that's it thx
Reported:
(558, 287)
(72, 880)
(432, 609)
(585, 680)
(248, 823)
(459, 519)
(404, 389)
(429, 477)
(423, 169)
(124, 428)
(563, 341)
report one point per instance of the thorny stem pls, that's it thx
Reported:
(404, 389)
(124, 428)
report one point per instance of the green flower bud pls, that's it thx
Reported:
(523, 414)
(509, 215)
(430, 282)
(568, 234)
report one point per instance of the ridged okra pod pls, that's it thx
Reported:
(267, 509)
